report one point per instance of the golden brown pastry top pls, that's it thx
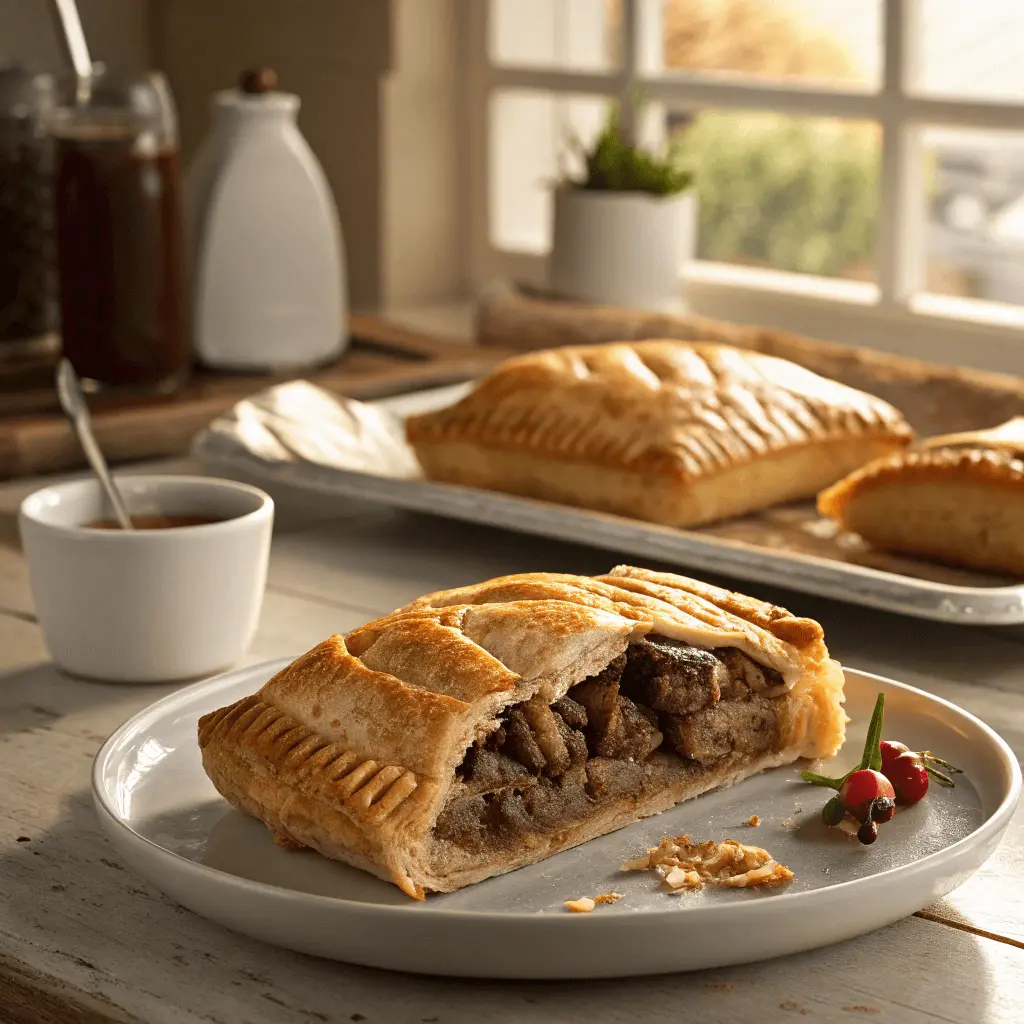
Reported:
(415, 687)
(665, 407)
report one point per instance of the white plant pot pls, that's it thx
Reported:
(621, 248)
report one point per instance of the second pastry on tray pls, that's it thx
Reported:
(957, 499)
(672, 432)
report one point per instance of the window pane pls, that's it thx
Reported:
(577, 34)
(814, 41)
(786, 193)
(975, 233)
(530, 135)
(972, 50)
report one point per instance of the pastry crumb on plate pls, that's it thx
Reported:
(685, 865)
(584, 905)
(753, 821)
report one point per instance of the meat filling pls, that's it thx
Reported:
(545, 763)
(703, 703)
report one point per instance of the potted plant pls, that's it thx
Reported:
(625, 230)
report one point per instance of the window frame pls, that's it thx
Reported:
(894, 314)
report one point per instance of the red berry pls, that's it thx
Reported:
(882, 809)
(909, 777)
(860, 788)
(867, 833)
(890, 749)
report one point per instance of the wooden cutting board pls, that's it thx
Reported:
(382, 359)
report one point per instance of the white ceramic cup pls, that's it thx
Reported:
(148, 605)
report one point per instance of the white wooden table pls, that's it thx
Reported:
(82, 940)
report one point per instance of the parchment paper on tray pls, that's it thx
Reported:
(299, 422)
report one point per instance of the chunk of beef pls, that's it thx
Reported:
(617, 728)
(535, 738)
(600, 699)
(485, 771)
(672, 676)
(573, 714)
(749, 727)
(607, 777)
(520, 742)
(575, 743)
(745, 676)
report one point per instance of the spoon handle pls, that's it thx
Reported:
(72, 401)
(76, 48)
(99, 467)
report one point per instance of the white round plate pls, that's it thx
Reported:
(170, 825)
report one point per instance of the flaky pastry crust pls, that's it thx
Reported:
(353, 748)
(961, 505)
(673, 432)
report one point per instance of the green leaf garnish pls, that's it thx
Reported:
(871, 758)
(821, 780)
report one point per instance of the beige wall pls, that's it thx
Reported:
(117, 31)
(422, 250)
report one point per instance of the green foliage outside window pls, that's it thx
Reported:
(786, 193)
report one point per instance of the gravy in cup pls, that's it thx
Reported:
(153, 522)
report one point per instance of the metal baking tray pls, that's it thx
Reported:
(297, 435)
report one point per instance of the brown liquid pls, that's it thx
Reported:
(153, 522)
(28, 307)
(120, 249)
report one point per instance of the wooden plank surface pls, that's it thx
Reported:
(76, 927)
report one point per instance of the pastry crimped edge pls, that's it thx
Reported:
(677, 433)
(357, 764)
(962, 506)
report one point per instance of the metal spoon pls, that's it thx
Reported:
(76, 49)
(72, 401)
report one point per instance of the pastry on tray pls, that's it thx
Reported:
(672, 432)
(482, 729)
(958, 499)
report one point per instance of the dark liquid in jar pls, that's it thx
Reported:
(27, 281)
(153, 522)
(120, 251)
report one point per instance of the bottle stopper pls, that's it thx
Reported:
(257, 81)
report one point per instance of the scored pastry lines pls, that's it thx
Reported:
(678, 429)
(300, 754)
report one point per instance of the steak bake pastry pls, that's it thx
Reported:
(673, 432)
(479, 730)
(958, 499)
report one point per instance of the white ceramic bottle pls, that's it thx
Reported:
(268, 264)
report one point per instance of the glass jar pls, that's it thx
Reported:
(28, 295)
(120, 236)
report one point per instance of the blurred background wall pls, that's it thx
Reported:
(377, 80)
